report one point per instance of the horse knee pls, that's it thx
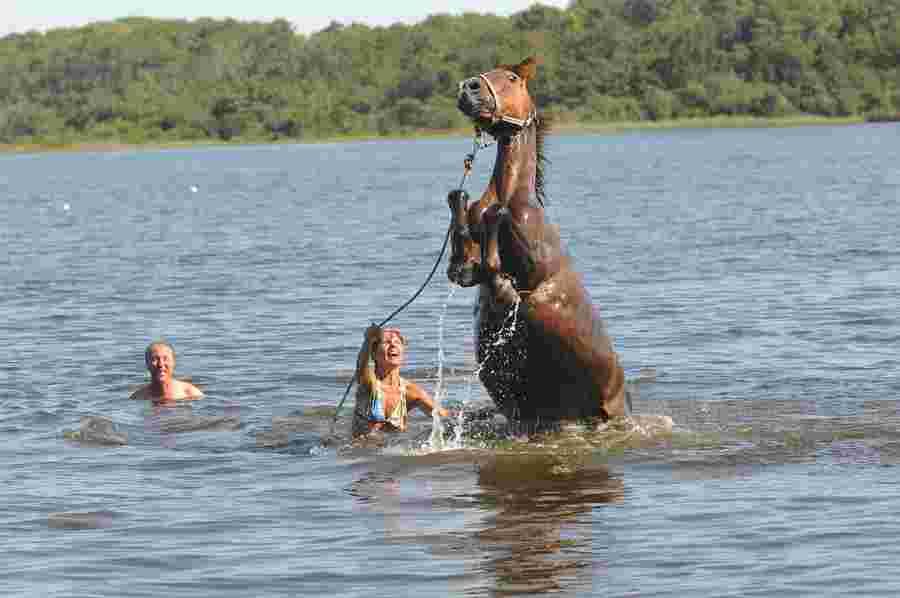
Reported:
(504, 291)
(538, 299)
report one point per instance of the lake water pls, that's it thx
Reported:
(754, 272)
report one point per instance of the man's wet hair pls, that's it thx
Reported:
(150, 347)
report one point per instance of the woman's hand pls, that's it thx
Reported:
(370, 337)
(373, 333)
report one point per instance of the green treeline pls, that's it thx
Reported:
(142, 80)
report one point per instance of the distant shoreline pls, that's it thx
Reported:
(567, 128)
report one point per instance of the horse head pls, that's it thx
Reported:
(498, 103)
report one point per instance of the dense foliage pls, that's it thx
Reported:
(146, 80)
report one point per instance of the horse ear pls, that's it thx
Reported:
(527, 69)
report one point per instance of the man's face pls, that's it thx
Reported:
(161, 364)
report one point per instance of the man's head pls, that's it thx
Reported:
(160, 360)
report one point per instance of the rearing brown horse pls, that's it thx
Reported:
(558, 363)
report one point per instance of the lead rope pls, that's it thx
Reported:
(479, 143)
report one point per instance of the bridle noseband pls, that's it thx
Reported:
(519, 124)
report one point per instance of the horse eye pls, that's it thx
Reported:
(513, 76)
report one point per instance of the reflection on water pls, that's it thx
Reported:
(532, 516)
(528, 513)
(540, 535)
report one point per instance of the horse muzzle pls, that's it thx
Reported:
(472, 101)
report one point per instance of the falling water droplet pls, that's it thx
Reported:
(437, 428)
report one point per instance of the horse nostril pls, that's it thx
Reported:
(473, 85)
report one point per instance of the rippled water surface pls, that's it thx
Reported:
(753, 273)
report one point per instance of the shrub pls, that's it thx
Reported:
(610, 109)
(660, 104)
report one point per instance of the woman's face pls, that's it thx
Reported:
(391, 350)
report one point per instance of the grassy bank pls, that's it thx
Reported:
(564, 127)
(712, 122)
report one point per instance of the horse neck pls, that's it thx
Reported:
(515, 168)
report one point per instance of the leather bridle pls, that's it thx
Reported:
(519, 124)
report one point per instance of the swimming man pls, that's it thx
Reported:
(163, 386)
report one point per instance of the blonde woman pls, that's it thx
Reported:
(383, 397)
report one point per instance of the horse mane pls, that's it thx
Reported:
(543, 126)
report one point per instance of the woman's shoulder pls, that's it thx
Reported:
(414, 392)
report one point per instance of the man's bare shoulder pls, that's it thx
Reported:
(190, 392)
(184, 391)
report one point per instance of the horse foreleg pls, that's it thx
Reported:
(458, 201)
(464, 268)
(501, 284)
(492, 219)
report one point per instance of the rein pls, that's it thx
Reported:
(478, 144)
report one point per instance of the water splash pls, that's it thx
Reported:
(504, 334)
(436, 441)
(509, 325)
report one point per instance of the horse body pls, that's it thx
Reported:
(557, 362)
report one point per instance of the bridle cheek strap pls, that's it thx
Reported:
(493, 92)
(519, 123)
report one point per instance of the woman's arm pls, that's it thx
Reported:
(364, 373)
(417, 397)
